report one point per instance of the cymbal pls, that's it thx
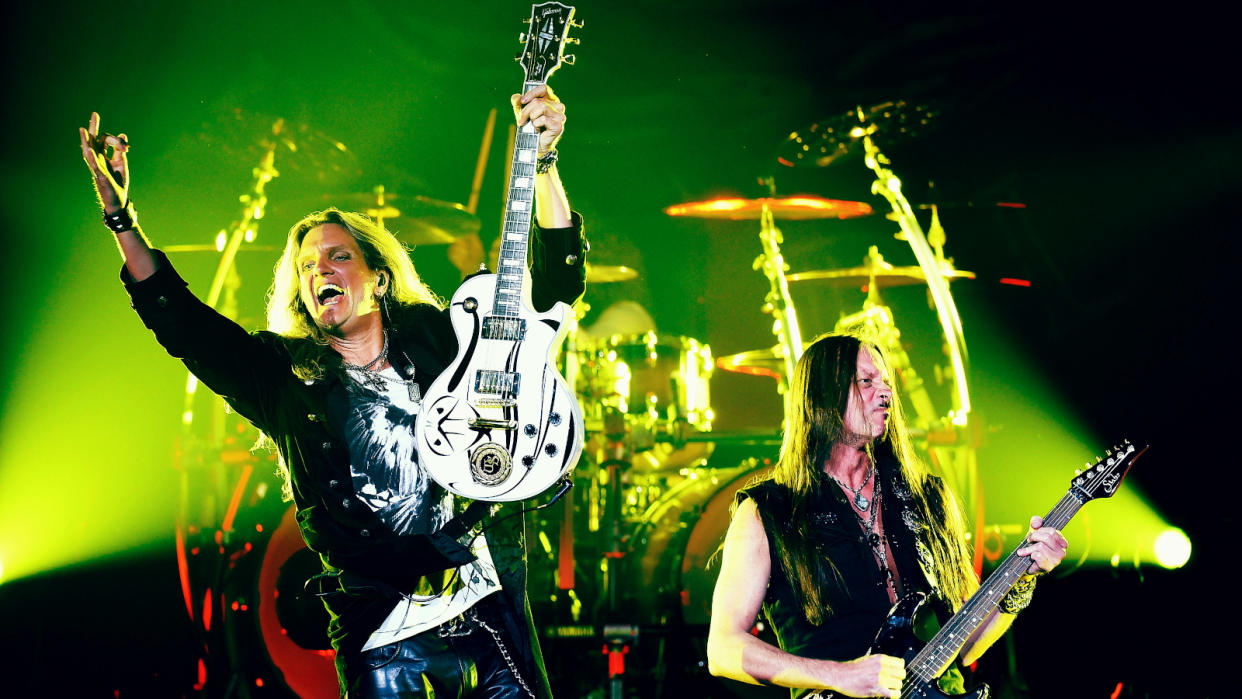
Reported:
(797, 208)
(768, 362)
(884, 277)
(413, 218)
(823, 142)
(604, 274)
(244, 135)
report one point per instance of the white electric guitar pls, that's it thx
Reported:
(500, 424)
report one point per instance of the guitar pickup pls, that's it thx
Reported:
(497, 328)
(489, 382)
(480, 423)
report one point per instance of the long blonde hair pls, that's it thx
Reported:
(288, 316)
(814, 421)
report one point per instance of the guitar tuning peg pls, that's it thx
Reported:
(1078, 472)
(569, 58)
(526, 21)
(1108, 452)
(522, 38)
(572, 40)
(578, 25)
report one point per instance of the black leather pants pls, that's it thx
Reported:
(460, 659)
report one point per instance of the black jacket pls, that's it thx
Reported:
(253, 372)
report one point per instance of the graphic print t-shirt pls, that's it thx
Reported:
(386, 475)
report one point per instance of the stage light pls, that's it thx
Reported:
(1172, 548)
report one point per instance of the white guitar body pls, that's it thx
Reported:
(500, 424)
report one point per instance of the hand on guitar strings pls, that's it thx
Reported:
(544, 111)
(1045, 547)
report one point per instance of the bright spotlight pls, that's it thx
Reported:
(1172, 548)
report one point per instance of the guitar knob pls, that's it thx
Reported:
(554, 419)
(550, 449)
(527, 461)
(530, 430)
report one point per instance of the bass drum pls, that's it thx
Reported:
(274, 634)
(674, 548)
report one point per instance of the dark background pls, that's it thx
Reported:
(1118, 128)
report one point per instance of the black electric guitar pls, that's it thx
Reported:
(500, 424)
(925, 662)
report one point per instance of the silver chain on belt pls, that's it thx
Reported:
(504, 653)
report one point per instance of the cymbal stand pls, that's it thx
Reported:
(955, 456)
(778, 302)
(226, 280)
(888, 186)
(204, 462)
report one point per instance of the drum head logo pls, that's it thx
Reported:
(490, 464)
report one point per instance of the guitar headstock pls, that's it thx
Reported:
(1101, 479)
(544, 49)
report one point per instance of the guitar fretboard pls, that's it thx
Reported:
(946, 644)
(515, 232)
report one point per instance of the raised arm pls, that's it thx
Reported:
(111, 177)
(733, 652)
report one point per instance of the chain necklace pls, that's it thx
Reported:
(862, 502)
(374, 379)
(874, 540)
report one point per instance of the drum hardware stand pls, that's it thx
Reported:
(958, 460)
(195, 454)
(778, 302)
(617, 637)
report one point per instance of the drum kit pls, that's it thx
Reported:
(627, 556)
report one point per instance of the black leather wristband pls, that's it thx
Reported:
(123, 220)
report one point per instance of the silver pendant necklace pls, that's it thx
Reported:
(862, 502)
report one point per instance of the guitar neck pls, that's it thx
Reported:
(946, 644)
(515, 232)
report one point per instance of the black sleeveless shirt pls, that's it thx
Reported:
(857, 591)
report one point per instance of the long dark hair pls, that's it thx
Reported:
(814, 421)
